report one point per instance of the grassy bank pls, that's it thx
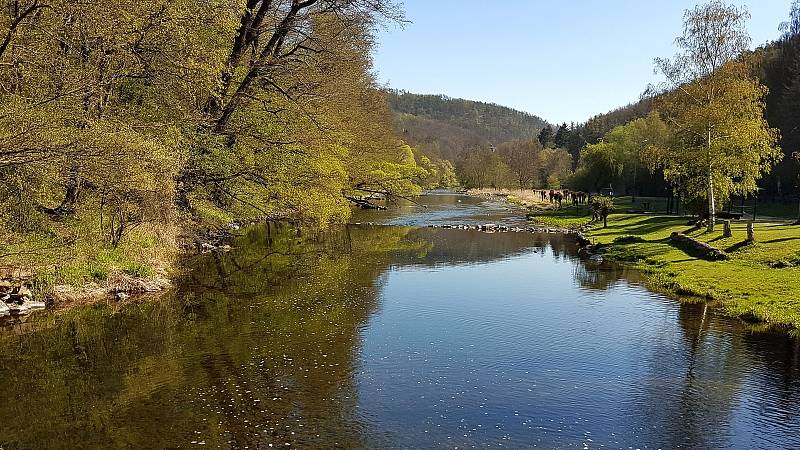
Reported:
(760, 280)
(543, 212)
(76, 264)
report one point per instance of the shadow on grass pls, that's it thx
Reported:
(775, 241)
(776, 225)
(736, 247)
(647, 226)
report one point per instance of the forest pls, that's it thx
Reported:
(774, 67)
(645, 148)
(128, 127)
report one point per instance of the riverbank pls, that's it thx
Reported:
(57, 273)
(757, 282)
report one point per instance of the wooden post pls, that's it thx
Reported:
(727, 232)
(751, 237)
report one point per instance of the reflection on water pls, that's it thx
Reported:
(397, 337)
(445, 208)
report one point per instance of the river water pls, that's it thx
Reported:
(400, 336)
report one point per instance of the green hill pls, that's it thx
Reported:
(446, 127)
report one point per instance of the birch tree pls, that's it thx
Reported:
(722, 144)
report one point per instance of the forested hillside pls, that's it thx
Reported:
(776, 66)
(447, 127)
(122, 127)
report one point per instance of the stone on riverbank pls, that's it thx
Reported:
(16, 299)
(25, 307)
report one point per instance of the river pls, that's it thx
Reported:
(398, 335)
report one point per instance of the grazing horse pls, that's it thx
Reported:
(558, 197)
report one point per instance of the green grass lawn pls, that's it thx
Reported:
(760, 280)
(574, 216)
(747, 285)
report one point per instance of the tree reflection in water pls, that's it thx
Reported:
(262, 346)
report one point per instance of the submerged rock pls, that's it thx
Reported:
(25, 307)
(596, 259)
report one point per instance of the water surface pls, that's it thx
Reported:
(399, 337)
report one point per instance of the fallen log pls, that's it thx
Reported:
(699, 248)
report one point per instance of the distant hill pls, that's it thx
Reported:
(446, 127)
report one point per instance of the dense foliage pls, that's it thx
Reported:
(488, 122)
(132, 117)
(731, 116)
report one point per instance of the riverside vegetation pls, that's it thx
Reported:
(129, 129)
(133, 133)
(758, 280)
(706, 138)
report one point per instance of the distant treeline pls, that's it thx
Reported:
(447, 127)
(776, 66)
(479, 137)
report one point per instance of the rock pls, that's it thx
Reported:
(122, 296)
(16, 310)
(25, 308)
(4, 310)
(24, 292)
(5, 286)
(34, 306)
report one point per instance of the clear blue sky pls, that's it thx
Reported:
(564, 61)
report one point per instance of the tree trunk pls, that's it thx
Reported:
(798, 213)
(711, 203)
(727, 232)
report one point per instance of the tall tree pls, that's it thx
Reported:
(524, 160)
(546, 136)
(723, 143)
(561, 138)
